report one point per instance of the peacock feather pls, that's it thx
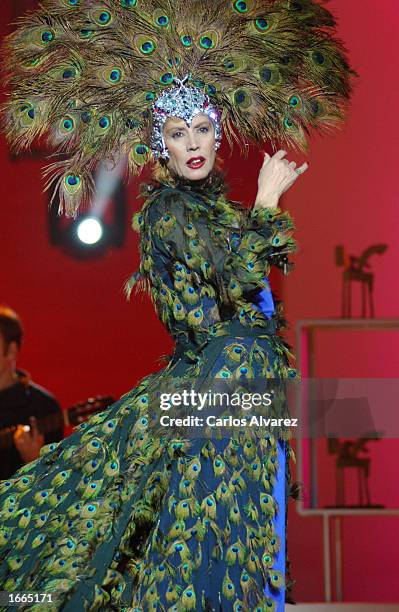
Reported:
(84, 75)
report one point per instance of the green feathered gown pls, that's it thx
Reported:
(119, 516)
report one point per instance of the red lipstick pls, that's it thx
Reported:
(196, 162)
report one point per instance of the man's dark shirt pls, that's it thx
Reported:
(17, 404)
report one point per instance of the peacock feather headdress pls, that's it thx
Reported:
(87, 73)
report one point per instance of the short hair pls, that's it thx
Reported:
(10, 326)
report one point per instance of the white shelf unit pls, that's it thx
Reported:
(306, 330)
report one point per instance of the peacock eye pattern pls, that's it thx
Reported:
(148, 46)
(186, 40)
(206, 42)
(262, 24)
(115, 76)
(68, 124)
(104, 17)
(72, 179)
(167, 78)
(241, 6)
(104, 122)
(162, 20)
(47, 36)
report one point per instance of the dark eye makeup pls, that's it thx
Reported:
(202, 128)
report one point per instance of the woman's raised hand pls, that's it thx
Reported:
(276, 176)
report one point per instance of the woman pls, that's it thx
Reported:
(136, 531)
(131, 513)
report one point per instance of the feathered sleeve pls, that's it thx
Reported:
(273, 229)
(228, 250)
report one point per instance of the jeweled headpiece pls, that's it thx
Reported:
(185, 103)
(95, 77)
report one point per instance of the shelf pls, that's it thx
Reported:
(342, 607)
(345, 324)
(305, 341)
(346, 511)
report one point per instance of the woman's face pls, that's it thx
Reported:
(191, 149)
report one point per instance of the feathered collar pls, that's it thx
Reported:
(206, 197)
(211, 187)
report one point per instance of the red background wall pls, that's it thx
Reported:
(83, 338)
(349, 196)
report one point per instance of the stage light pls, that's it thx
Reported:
(98, 227)
(90, 230)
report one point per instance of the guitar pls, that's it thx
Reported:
(71, 417)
